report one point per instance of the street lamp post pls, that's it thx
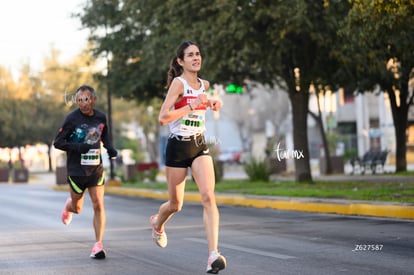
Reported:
(112, 180)
(108, 90)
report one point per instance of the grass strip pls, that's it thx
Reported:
(368, 191)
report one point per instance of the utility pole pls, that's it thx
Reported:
(112, 180)
(108, 90)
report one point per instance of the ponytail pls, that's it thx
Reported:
(175, 68)
(174, 71)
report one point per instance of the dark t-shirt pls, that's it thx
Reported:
(77, 129)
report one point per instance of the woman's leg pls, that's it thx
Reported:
(176, 186)
(203, 173)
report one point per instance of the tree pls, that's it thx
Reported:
(118, 34)
(378, 50)
(7, 88)
(287, 43)
(32, 109)
(7, 130)
(7, 84)
(56, 86)
(14, 122)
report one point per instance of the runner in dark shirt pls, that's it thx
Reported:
(80, 136)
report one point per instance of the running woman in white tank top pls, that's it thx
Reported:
(184, 111)
(193, 122)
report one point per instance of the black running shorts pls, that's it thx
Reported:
(80, 183)
(181, 151)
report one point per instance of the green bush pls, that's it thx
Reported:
(151, 175)
(218, 170)
(257, 170)
(217, 164)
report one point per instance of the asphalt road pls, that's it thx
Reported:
(255, 241)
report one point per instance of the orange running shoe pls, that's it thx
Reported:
(66, 215)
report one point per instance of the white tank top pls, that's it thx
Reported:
(194, 122)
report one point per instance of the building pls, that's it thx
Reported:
(361, 122)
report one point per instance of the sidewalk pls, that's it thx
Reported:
(333, 206)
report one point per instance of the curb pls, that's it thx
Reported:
(375, 209)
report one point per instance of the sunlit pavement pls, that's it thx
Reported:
(336, 206)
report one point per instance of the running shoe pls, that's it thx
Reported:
(98, 252)
(215, 263)
(66, 215)
(160, 238)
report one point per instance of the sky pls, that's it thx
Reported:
(29, 29)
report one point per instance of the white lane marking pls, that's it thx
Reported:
(247, 250)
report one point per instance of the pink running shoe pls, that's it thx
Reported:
(66, 215)
(98, 252)
(215, 263)
(160, 238)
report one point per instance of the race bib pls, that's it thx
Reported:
(192, 123)
(92, 157)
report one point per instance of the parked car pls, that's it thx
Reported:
(231, 155)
